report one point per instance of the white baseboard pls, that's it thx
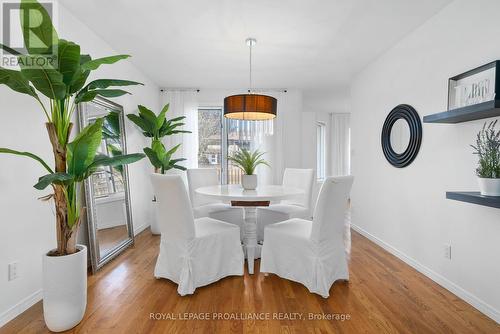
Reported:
(468, 297)
(140, 229)
(20, 307)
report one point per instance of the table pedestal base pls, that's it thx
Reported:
(257, 252)
(252, 249)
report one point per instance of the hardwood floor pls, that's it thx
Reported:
(384, 295)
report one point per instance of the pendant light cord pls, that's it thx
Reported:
(250, 79)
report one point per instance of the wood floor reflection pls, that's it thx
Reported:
(384, 296)
(111, 237)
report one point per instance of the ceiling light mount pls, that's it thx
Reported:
(251, 41)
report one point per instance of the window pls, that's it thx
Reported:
(219, 138)
(210, 138)
(108, 181)
(321, 150)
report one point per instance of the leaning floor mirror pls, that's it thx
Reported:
(107, 191)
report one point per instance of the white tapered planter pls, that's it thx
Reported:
(155, 226)
(155, 222)
(65, 289)
(249, 182)
(489, 187)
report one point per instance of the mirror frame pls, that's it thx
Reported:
(96, 260)
(410, 115)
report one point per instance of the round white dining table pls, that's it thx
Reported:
(249, 200)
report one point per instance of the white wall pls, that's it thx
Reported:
(405, 209)
(28, 225)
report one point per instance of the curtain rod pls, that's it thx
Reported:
(180, 89)
(258, 90)
(263, 90)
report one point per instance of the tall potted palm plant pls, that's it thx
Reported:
(59, 85)
(158, 127)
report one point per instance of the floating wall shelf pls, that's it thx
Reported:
(465, 114)
(474, 198)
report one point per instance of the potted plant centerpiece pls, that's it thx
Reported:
(158, 127)
(488, 149)
(248, 161)
(62, 82)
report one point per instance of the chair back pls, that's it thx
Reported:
(331, 206)
(174, 212)
(201, 177)
(302, 179)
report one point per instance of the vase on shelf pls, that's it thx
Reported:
(489, 187)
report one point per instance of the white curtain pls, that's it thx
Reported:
(272, 144)
(183, 103)
(341, 155)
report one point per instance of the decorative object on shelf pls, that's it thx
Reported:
(64, 86)
(472, 95)
(247, 161)
(251, 106)
(401, 135)
(158, 127)
(472, 87)
(488, 149)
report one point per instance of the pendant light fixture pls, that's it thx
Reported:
(250, 107)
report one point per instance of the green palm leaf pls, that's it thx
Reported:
(54, 178)
(81, 76)
(29, 155)
(119, 160)
(153, 157)
(45, 78)
(105, 83)
(82, 150)
(91, 95)
(95, 63)
(17, 82)
(142, 124)
(68, 61)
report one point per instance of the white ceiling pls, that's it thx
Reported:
(305, 44)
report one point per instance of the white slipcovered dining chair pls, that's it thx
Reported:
(193, 252)
(312, 252)
(298, 207)
(206, 207)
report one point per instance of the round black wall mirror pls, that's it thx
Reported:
(401, 135)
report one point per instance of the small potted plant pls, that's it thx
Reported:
(488, 149)
(247, 161)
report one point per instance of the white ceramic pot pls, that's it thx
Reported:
(65, 289)
(155, 227)
(489, 187)
(249, 182)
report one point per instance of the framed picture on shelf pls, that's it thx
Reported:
(473, 87)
